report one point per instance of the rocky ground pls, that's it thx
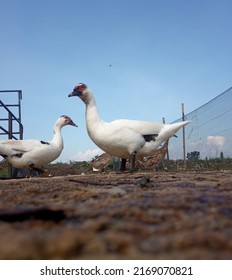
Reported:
(156, 215)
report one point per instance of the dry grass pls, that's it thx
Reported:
(167, 215)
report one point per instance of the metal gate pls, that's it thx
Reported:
(10, 123)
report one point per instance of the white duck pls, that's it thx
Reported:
(124, 138)
(35, 153)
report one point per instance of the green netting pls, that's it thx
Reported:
(210, 131)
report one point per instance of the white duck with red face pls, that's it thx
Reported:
(123, 138)
(35, 153)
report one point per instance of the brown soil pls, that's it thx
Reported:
(182, 215)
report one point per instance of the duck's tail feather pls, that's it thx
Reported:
(170, 130)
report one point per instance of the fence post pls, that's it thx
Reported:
(167, 154)
(184, 153)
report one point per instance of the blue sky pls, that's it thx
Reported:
(162, 52)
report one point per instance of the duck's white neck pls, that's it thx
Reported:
(92, 115)
(57, 136)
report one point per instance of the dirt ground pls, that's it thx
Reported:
(157, 215)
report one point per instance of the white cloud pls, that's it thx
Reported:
(85, 155)
(218, 141)
(214, 145)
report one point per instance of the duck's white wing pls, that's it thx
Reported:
(141, 127)
(22, 145)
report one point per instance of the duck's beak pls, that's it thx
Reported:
(74, 93)
(72, 123)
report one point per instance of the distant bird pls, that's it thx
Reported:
(101, 162)
(35, 153)
(123, 138)
(110, 65)
(152, 161)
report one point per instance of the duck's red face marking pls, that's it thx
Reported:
(77, 91)
(80, 87)
(68, 120)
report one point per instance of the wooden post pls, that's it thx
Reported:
(183, 119)
(167, 154)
